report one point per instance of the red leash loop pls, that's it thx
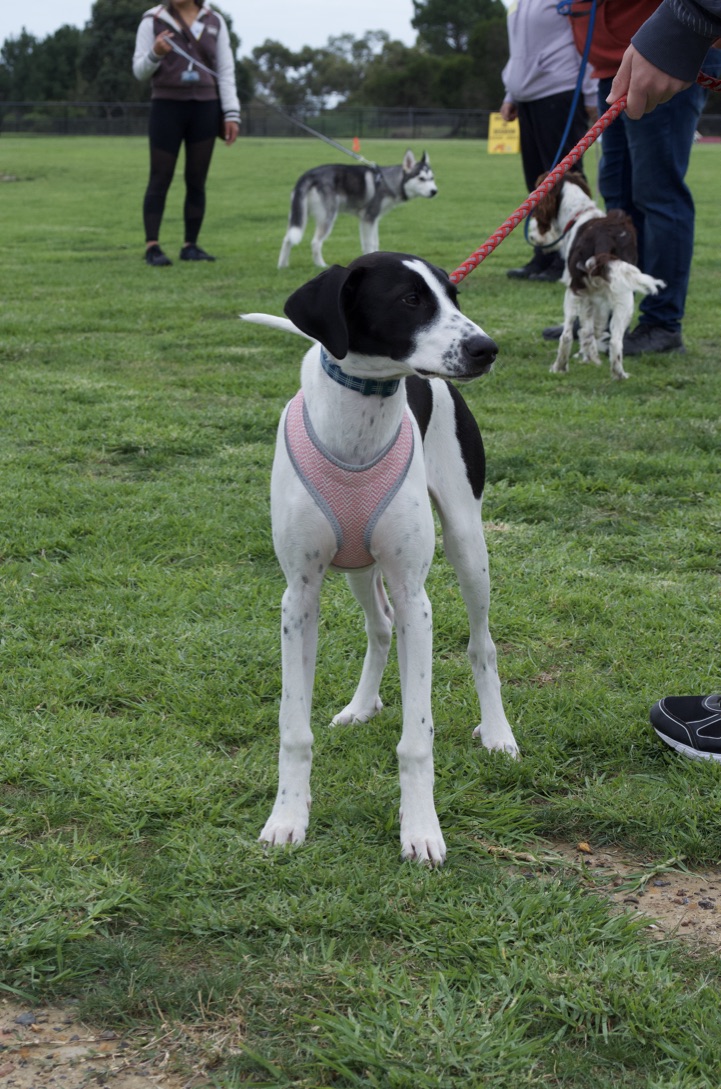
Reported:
(548, 183)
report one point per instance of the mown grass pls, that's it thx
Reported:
(140, 658)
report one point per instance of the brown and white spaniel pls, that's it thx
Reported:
(601, 276)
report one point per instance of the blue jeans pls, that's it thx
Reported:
(642, 171)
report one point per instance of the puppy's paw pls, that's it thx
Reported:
(422, 840)
(498, 739)
(355, 713)
(286, 825)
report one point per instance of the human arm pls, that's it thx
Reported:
(229, 101)
(645, 85)
(666, 53)
(149, 49)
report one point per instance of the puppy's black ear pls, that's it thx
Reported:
(317, 309)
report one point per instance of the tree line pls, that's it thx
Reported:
(456, 63)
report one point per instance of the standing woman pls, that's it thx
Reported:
(187, 106)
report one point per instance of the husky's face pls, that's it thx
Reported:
(418, 180)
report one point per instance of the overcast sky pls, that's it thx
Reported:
(293, 22)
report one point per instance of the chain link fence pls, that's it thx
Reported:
(259, 119)
(262, 120)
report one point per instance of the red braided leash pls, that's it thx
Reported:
(548, 183)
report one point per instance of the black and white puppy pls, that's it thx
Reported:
(375, 429)
(601, 276)
(361, 190)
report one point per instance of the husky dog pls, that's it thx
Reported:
(364, 191)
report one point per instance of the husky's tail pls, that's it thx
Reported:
(297, 219)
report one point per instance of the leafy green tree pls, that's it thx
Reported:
(56, 60)
(18, 78)
(488, 49)
(106, 53)
(398, 76)
(445, 26)
(281, 73)
(313, 77)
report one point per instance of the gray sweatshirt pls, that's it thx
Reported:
(543, 56)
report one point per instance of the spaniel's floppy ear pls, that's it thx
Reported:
(317, 309)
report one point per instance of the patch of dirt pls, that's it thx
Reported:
(50, 1048)
(678, 903)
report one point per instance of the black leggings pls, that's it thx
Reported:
(543, 122)
(171, 124)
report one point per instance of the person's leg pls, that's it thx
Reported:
(199, 144)
(660, 145)
(536, 159)
(165, 136)
(614, 171)
(551, 116)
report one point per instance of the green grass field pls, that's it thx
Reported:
(140, 654)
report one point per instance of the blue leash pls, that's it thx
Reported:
(564, 8)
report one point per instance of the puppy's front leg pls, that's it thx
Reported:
(288, 821)
(421, 836)
(369, 235)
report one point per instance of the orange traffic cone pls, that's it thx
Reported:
(356, 143)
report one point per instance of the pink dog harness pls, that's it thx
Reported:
(352, 497)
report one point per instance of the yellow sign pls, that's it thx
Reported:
(504, 137)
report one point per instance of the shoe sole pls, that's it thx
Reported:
(686, 750)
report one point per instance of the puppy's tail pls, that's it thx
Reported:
(284, 324)
(624, 273)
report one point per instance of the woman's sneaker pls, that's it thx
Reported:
(155, 256)
(690, 724)
(192, 252)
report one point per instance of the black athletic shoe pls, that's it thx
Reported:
(652, 338)
(549, 275)
(553, 332)
(690, 724)
(552, 273)
(538, 263)
(155, 256)
(194, 253)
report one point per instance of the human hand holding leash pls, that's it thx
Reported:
(161, 45)
(645, 85)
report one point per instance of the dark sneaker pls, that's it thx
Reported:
(652, 338)
(553, 332)
(552, 273)
(155, 256)
(548, 276)
(690, 725)
(194, 253)
(522, 273)
(540, 262)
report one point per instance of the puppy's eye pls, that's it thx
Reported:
(412, 299)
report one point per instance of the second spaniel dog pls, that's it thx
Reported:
(601, 275)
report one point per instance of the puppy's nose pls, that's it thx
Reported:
(479, 352)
